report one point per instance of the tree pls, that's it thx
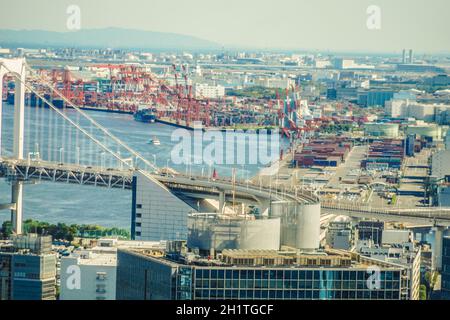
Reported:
(422, 292)
(7, 229)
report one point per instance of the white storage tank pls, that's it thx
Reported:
(300, 224)
(263, 234)
(308, 227)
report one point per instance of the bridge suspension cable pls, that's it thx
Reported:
(46, 101)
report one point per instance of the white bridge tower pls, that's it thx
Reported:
(17, 68)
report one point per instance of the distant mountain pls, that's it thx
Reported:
(103, 38)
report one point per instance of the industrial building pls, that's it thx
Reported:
(431, 132)
(27, 268)
(387, 130)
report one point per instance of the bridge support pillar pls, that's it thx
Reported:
(17, 212)
(436, 261)
(222, 201)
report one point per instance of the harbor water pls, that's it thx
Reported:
(59, 202)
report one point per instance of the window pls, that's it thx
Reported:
(139, 206)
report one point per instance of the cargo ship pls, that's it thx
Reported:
(145, 114)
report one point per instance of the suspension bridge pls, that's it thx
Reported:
(69, 146)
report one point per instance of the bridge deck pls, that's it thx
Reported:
(248, 192)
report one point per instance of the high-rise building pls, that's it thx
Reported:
(27, 269)
(411, 57)
(404, 56)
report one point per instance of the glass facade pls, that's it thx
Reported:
(144, 277)
(263, 283)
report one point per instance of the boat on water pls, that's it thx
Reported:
(145, 114)
(155, 141)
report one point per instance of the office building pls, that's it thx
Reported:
(282, 83)
(258, 274)
(97, 276)
(27, 269)
(445, 274)
(90, 274)
(397, 247)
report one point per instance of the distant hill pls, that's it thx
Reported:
(103, 38)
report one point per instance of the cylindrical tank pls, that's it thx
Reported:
(308, 227)
(261, 234)
(300, 224)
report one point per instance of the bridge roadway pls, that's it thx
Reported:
(191, 186)
(202, 187)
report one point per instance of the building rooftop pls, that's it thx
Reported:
(94, 259)
(327, 258)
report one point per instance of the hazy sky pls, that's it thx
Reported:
(340, 25)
